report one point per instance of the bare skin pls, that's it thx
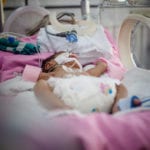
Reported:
(98, 70)
(47, 98)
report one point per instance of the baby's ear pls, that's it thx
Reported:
(73, 55)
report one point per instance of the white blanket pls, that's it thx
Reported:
(18, 101)
(25, 104)
(84, 93)
(137, 81)
(88, 48)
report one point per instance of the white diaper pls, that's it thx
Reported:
(85, 93)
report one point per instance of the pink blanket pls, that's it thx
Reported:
(93, 132)
(12, 65)
(90, 132)
(100, 132)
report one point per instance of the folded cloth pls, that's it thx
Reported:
(15, 46)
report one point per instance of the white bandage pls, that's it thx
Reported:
(64, 58)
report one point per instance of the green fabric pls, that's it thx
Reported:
(17, 47)
(6, 42)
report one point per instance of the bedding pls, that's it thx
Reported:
(95, 131)
(12, 65)
(97, 42)
(11, 44)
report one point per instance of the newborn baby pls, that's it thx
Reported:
(81, 87)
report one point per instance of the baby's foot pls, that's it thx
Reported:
(135, 101)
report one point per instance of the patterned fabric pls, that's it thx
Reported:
(15, 46)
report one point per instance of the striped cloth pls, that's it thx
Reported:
(15, 46)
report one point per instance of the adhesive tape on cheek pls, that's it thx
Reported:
(61, 58)
(78, 63)
(80, 66)
(75, 62)
(67, 69)
(64, 58)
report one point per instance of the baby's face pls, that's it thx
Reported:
(65, 59)
(50, 65)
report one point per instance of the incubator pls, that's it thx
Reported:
(125, 25)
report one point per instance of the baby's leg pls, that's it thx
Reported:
(121, 93)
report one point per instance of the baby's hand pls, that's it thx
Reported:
(59, 72)
(44, 76)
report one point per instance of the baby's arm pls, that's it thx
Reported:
(98, 70)
(44, 76)
(47, 98)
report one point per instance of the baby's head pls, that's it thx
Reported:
(60, 59)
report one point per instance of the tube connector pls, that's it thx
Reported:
(85, 9)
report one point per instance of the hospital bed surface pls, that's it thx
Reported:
(27, 121)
